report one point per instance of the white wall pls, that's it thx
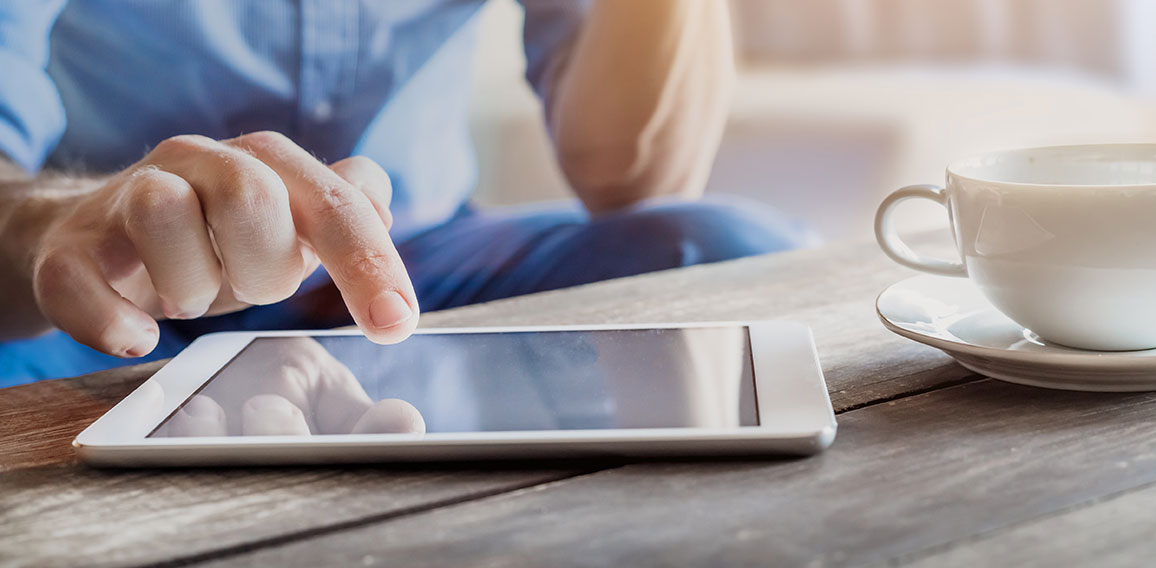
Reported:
(827, 140)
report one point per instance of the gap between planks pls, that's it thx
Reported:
(1075, 419)
(315, 532)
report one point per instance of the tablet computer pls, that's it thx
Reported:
(298, 397)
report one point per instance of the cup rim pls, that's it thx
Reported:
(954, 167)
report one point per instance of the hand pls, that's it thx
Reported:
(205, 227)
(290, 386)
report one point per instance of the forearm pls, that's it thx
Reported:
(27, 206)
(639, 107)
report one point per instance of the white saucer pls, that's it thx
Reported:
(951, 314)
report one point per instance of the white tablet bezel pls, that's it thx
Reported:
(795, 414)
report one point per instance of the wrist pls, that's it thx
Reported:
(23, 228)
(27, 215)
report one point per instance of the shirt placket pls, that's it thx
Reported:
(328, 59)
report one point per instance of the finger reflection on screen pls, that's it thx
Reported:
(272, 415)
(201, 416)
(390, 416)
(478, 382)
(289, 386)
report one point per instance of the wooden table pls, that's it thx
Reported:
(933, 465)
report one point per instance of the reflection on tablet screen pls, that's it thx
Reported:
(477, 382)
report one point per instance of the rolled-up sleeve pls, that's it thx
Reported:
(550, 30)
(31, 113)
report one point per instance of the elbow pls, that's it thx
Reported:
(601, 165)
(613, 176)
(608, 177)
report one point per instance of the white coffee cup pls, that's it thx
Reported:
(1062, 239)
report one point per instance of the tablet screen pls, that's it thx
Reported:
(477, 382)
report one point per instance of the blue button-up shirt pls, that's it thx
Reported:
(95, 83)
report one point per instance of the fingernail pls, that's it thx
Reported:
(144, 345)
(388, 310)
(171, 311)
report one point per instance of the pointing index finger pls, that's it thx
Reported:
(349, 236)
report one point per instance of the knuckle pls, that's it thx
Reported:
(334, 200)
(184, 144)
(372, 175)
(362, 162)
(373, 181)
(370, 167)
(154, 192)
(245, 183)
(266, 140)
(366, 265)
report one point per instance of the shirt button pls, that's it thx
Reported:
(323, 111)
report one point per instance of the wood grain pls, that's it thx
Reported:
(903, 476)
(54, 515)
(45, 495)
(39, 421)
(52, 508)
(1116, 531)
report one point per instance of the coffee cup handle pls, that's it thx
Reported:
(898, 250)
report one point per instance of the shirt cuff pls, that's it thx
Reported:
(31, 113)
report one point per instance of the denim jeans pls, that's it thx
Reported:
(477, 256)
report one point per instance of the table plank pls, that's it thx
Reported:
(201, 513)
(54, 510)
(39, 421)
(55, 515)
(902, 477)
(1114, 532)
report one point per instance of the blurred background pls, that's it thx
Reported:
(839, 102)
